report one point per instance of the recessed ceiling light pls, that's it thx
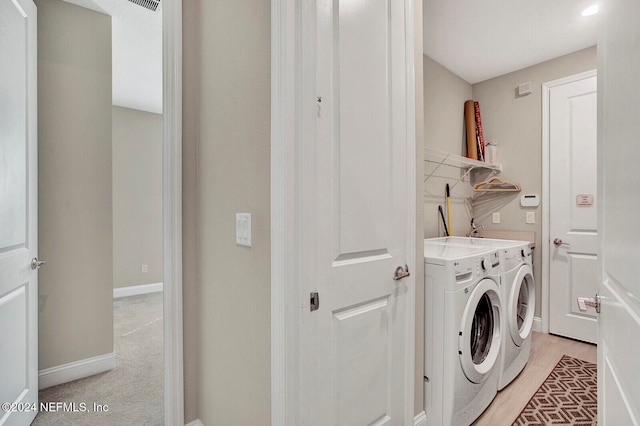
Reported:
(591, 10)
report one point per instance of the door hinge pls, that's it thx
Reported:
(314, 301)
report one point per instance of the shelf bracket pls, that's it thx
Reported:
(435, 169)
(463, 177)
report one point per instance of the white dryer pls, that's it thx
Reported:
(463, 332)
(518, 299)
(519, 305)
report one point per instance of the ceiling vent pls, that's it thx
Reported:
(147, 4)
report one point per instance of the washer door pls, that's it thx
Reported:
(480, 336)
(522, 303)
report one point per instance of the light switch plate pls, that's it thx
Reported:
(530, 217)
(496, 217)
(243, 229)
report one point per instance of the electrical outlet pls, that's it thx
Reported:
(530, 217)
(144, 269)
(496, 217)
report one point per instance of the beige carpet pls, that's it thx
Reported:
(133, 391)
(567, 396)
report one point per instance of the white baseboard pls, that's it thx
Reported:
(137, 289)
(76, 370)
(537, 324)
(419, 420)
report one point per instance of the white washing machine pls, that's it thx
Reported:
(463, 332)
(518, 299)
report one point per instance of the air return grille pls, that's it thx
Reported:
(147, 4)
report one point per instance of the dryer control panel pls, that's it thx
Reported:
(488, 264)
(515, 256)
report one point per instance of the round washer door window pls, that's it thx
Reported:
(522, 301)
(482, 330)
(480, 337)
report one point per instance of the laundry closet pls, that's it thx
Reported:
(502, 199)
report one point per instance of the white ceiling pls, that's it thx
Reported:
(137, 53)
(479, 40)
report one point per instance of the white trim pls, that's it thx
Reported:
(571, 78)
(172, 211)
(135, 290)
(537, 325)
(76, 370)
(410, 326)
(284, 334)
(197, 422)
(420, 419)
(545, 260)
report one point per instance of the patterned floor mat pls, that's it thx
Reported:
(567, 396)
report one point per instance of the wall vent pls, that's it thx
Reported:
(147, 4)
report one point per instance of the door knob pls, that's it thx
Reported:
(36, 264)
(558, 242)
(401, 272)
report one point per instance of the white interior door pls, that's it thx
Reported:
(357, 215)
(572, 206)
(618, 182)
(18, 213)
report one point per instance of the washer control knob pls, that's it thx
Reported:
(485, 264)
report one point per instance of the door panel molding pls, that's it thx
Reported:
(546, 90)
(287, 37)
(19, 209)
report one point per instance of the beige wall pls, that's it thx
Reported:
(516, 124)
(226, 168)
(444, 97)
(226, 117)
(75, 216)
(137, 197)
(190, 267)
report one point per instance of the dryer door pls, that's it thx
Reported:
(522, 303)
(480, 334)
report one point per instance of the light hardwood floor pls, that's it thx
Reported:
(546, 351)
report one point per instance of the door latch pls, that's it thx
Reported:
(314, 301)
(401, 272)
(37, 264)
(593, 302)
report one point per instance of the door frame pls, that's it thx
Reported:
(546, 279)
(173, 370)
(286, 76)
(172, 211)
